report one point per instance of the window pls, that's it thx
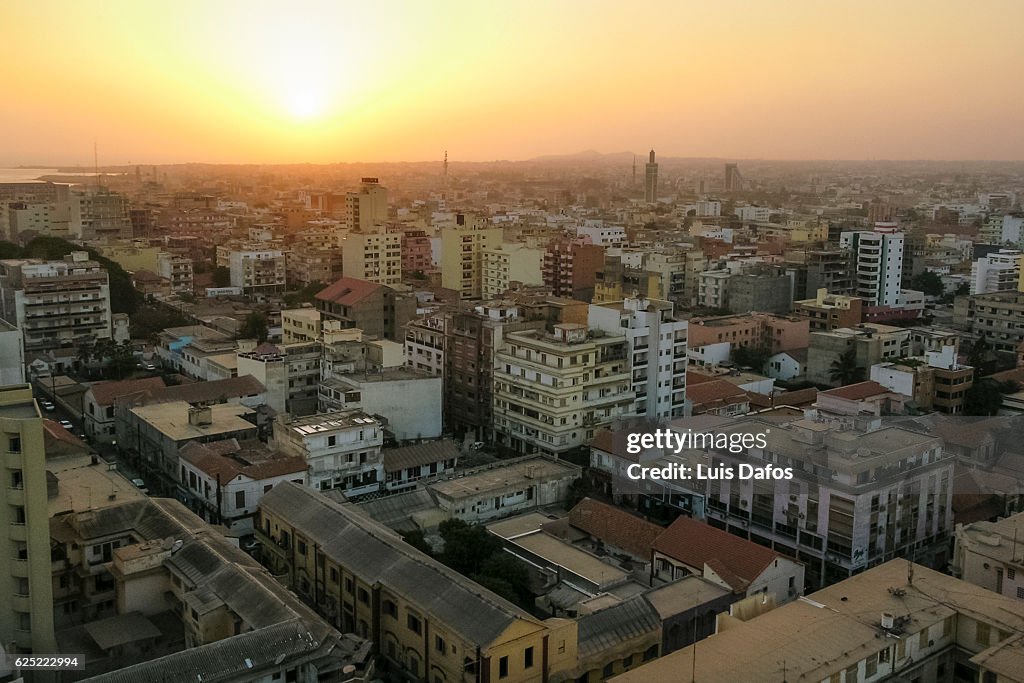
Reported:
(982, 633)
(413, 623)
(13, 443)
(503, 667)
(301, 545)
(239, 499)
(528, 658)
(608, 669)
(440, 645)
(627, 662)
(391, 609)
(364, 597)
(650, 653)
(334, 575)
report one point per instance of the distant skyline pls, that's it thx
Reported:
(231, 82)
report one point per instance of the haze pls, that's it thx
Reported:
(387, 81)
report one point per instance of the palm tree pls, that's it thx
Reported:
(845, 370)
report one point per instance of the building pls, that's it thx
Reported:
(427, 621)
(290, 374)
(425, 345)
(830, 311)
(677, 274)
(896, 621)
(408, 401)
(56, 303)
(887, 492)
(815, 269)
(651, 180)
(570, 267)
(407, 466)
(300, 325)
(760, 577)
(188, 349)
(12, 355)
(26, 613)
(98, 213)
(754, 331)
(177, 270)
(341, 449)
(657, 346)
(733, 180)
(367, 208)
(506, 488)
(378, 310)
(508, 263)
(871, 344)
(767, 291)
(305, 267)
(462, 248)
(998, 272)
(98, 409)
(878, 263)
(417, 254)
(373, 257)
(258, 270)
(553, 391)
(224, 481)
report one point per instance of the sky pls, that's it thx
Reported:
(288, 82)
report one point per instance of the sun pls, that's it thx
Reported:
(305, 103)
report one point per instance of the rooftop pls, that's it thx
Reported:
(615, 526)
(172, 419)
(504, 475)
(347, 291)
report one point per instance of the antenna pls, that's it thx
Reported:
(910, 572)
(96, 163)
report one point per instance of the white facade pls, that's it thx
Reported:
(177, 270)
(998, 272)
(878, 260)
(784, 366)
(604, 235)
(342, 449)
(255, 270)
(424, 345)
(409, 401)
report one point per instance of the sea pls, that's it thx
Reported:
(21, 175)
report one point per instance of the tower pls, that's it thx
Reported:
(733, 179)
(651, 181)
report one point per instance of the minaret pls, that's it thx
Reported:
(651, 181)
(445, 174)
(634, 171)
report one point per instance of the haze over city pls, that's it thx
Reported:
(325, 82)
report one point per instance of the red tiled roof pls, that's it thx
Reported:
(212, 459)
(858, 391)
(104, 393)
(615, 526)
(715, 391)
(798, 398)
(59, 439)
(734, 559)
(347, 291)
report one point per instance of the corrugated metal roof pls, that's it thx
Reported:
(615, 625)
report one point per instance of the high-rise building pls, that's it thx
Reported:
(56, 303)
(462, 247)
(878, 263)
(373, 256)
(657, 348)
(258, 270)
(508, 263)
(651, 180)
(26, 612)
(367, 208)
(733, 179)
(98, 213)
(571, 266)
(997, 272)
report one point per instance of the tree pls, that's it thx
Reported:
(121, 360)
(254, 327)
(221, 276)
(845, 370)
(978, 354)
(928, 282)
(983, 398)
(417, 539)
(466, 546)
(752, 356)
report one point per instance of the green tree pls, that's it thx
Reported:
(418, 540)
(928, 282)
(755, 356)
(254, 327)
(466, 546)
(121, 360)
(845, 370)
(983, 398)
(978, 354)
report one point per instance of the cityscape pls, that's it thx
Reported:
(320, 368)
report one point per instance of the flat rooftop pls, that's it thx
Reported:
(504, 475)
(325, 422)
(572, 559)
(171, 419)
(81, 485)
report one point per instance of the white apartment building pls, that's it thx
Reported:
(657, 352)
(290, 373)
(508, 263)
(260, 270)
(997, 272)
(56, 303)
(605, 235)
(341, 449)
(552, 392)
(425, 345)
(176, 269)
(878, 262)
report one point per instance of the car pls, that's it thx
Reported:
(66, 424)
(148, 366)
(140, 485)
(478, 446)
(48, 406)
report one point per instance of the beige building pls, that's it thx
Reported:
(26, 611)
(462, 249)
(131, 255)
(259, 270)
(428, 622)
(508, 263)
(373, 257)
(300, 325)
(177, 270)
(367, 208)
(553, 391)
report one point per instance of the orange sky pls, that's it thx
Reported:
(222, 81)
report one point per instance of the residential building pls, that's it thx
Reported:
(872, 343)
(408, 466)
(12, 355)
(677, 274)
(98, 410)
(462, 248)
(887, 492)
(188, 349)
(761, 578)
(878, 262)
(752, 331)
(829, 311)
(507, 263)
(861, 398)
(815, 269)
(304, 267)
(224, 481)
(898, 620)
(425, 344)
(998, 272)
(26, 613)
(996, 316)
(177, 270)
(258, 270)
(428, 622)
(570, 267)
(341, 449)
(290, 374)
(710, 396)
(373, 257)
(98, 213)
(657, 346)
(602, 234)
(407, 401)
(553, 391)
(367, 208)
(765, 291)
(417, 254)
(56, 303)
(378, 310)
(300, 325)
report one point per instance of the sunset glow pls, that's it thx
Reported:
(281, 82)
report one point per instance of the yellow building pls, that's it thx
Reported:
(300, 325)
(462, 248)
(26, 609)
(374, 257)
(424, 618)
(133, 255)
(508, 263)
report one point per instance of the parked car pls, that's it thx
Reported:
(66, 424)
(48, 406)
